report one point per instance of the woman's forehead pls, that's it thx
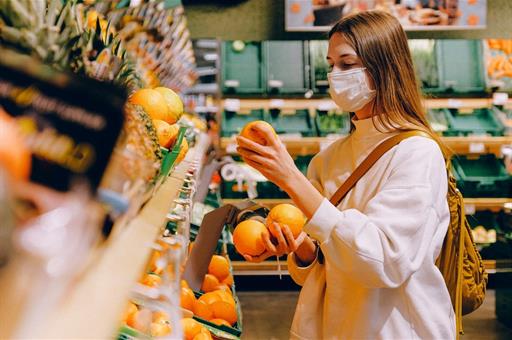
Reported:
(339, 46)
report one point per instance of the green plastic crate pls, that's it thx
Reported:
(332, 122)
(286, 67)
(232, 122)
(477, 122)
(481, 176)
(299, 122)
(319, 67)
(242, 68)
(449, 66)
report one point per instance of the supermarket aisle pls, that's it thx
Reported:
(268, 315)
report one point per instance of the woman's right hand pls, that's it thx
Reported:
(284, 243)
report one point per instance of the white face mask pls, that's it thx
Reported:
(350, 89)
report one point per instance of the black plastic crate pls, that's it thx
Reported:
(481, 176)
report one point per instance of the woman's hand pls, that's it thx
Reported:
(284, 243)
(276, 164)
(272, 160)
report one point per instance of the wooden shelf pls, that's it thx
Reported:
(271, 267)
(459, 145)
(494, 204)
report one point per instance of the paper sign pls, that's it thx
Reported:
(454, 103)
(469, 209)
(70, 124)
(232, 105)
(500, 98)
(232, 83)
(276, 103)
(476, 147)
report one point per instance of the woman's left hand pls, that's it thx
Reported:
(272, 160)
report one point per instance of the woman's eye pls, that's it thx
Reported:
(346, 66)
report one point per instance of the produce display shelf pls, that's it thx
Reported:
(271, 267)
(486, 203)
(458, 145)
(111, 271)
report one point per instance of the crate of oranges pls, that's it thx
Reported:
(216, 305)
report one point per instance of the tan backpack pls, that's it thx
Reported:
(459, 261)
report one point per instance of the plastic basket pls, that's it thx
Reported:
(295, 123)
(233, 122)
(473, 122)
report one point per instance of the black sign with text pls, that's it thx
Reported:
(70, 124)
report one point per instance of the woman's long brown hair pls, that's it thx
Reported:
(381, 43)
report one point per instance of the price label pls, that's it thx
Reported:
(469, 209)
(500, 98)
(275, 83)
(454, 103)
(276, 103)
(476, 147)
(231, 148)
(232, 83)
(232, 105)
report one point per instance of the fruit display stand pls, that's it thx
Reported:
(92, 308)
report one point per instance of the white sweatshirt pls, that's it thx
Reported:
(378, 279)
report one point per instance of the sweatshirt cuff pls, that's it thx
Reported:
(323, 221)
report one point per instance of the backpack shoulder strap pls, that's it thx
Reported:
(369, 161)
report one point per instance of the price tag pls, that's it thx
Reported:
(231, 148)
(275, 83)
(454, 103)
(469, 209)
(232, 83)
(500, 98)
(276, 103)
(326, 105)
(232, 105)
(476, 147)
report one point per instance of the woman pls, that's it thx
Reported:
(375, 277)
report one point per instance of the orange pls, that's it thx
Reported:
(223, 288)
(166, 133)
(152, 102)
(210, 297)
(153, 263)
(187, 298)
(183, 151)
(161, 317)
(224, 310)
(159, 329)
(228, 280)
(219, 267)
(15, 157)
(247, 237)
(253, 132)
(220, 322)
(226, 297)
(132, 309)
(140, 320)
(210, 283)
(184, 283)
(202, 310)
(190, 328)
(151, 280)
(174, 104)
(289, 215)
(203, 335)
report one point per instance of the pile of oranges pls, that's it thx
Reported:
(217, 304)
(165, 108)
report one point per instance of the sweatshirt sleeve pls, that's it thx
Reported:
(385, 242)
(299, 274)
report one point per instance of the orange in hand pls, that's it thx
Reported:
(248, 237)
(253, 131)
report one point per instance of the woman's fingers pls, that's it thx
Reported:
(246, 143)
(290, 239)
(258, 258)
(282, 246)
(268, 243)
